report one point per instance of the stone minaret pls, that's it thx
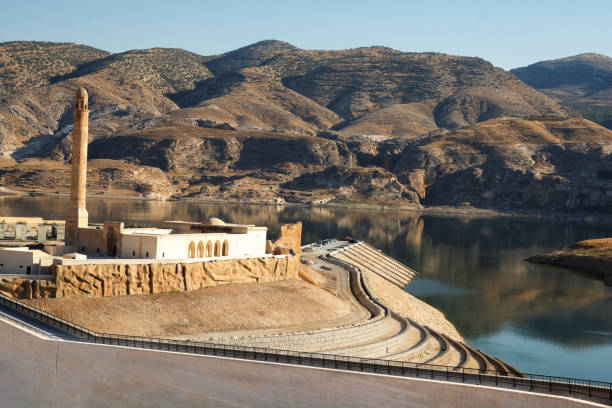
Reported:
(77, 214)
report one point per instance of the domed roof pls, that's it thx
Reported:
(81, 93)
(215, 221)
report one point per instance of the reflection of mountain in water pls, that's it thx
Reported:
(574, 328)
(480, 259)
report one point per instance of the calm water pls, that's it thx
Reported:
(540, 319)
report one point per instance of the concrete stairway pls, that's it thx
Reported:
(385, 334)
(369, 259)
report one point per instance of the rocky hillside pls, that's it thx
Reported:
(271, 122)
(583, 82)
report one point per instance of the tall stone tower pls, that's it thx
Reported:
(77, 214)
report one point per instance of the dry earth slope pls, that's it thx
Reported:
(583, 82)
(272, 122)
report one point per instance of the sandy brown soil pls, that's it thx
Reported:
(284, 305)
(411, 307)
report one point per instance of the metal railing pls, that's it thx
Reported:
(596, 391)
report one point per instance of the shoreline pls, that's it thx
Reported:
(422, 210)
(591, 256)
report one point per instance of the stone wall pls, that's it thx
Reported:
(119, 279)
(289, 240)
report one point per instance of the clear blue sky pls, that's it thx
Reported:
(509, 33)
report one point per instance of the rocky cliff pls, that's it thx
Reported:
(271, 122)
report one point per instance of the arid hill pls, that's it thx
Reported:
(583, 82)
(272, 122)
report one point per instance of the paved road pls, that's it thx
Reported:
(32, 325)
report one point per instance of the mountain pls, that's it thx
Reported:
(28, 64)
(374, 85)
(583, 82)
(272, 122)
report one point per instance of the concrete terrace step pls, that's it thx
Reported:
(511, 371)
(370, 259)
(465, 357)
(351, 258)
(378, 266)
(382, 324)
(497, 366)
(411, 352)
(379, 348)
(403, 269)
(386, 334)
(393, 328)
(444, 349)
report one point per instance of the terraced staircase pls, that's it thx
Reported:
(384, 334)
(370, 259)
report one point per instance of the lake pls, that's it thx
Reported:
(541, 319)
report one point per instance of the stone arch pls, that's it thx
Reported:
(225, 251)
(200, 249)
(217, 248)
(209, 249)
(111, 243)
(191, 250)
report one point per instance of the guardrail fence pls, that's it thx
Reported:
(595, 391)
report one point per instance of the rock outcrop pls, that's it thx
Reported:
(593, 256)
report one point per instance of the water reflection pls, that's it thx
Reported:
(471, 269)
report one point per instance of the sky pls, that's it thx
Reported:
(508, 33)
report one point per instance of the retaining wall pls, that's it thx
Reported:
(127, 279)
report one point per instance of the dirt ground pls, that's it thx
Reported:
(284, 306)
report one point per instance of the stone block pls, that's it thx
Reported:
(60, 232)
(21, 232)
(41, 233)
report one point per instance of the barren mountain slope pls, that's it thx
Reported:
(37, 121)
(25, 64)
(271, 122)
(263, 105)
(514, 163)
(583, 82)
(163, 70)
(357, 82)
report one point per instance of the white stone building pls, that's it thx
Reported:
(24, 261)
(214, 239)
(176, 240)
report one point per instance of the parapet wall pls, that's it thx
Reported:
(120, 279)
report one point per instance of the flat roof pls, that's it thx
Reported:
(147, 231)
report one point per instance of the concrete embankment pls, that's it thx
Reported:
(37, 372)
